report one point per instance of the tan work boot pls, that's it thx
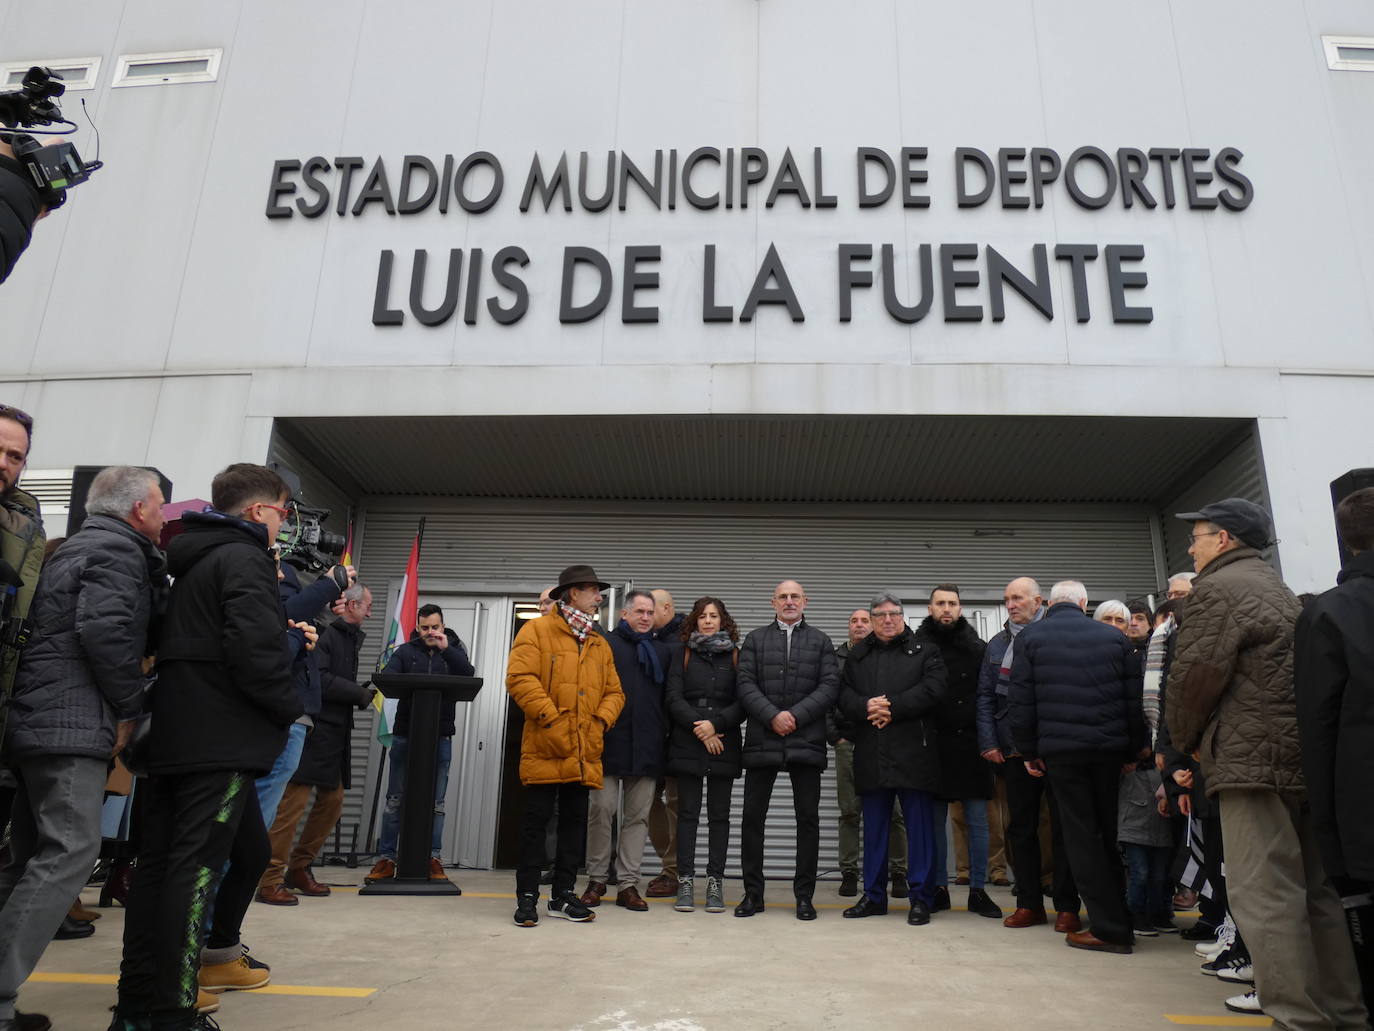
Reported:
(234, 976)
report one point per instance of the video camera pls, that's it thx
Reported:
(54, 167)
(303, 540)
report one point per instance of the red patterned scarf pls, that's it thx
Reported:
(578, 621)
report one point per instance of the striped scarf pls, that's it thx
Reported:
(1154, 674)
(578, 621)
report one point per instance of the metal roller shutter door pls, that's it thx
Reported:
(1238, 474)
(841, 554)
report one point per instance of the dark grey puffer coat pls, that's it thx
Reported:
(80, 672)
(804, 683)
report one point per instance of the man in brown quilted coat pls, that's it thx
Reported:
(1230, 700)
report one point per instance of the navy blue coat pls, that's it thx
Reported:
(416, 657)
(637, 746)
(994, 731)
(301, 604)
(1075, 690)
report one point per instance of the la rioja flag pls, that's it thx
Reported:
(403, 619)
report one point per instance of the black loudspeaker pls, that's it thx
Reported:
(82, 475)
(1341, 488)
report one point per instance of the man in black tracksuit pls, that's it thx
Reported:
(221, 707)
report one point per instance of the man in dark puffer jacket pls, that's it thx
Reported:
(79, 684)
(1076, 713)
(788, 680)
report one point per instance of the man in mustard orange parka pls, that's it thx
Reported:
(562, 675)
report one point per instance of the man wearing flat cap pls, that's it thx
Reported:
(1230, 700)
(562, 675)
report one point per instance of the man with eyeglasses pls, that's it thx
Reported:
(221, 708)
(891, 690)
(788, 680)
(1230, 700)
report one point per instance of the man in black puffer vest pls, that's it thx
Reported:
(788, 680)
(965, 776)
(1076, 714)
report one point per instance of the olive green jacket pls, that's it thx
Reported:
(21, 545)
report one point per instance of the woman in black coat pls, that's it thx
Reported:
(704, 742)
(891, 690)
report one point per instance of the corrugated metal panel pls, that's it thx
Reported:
(740, 552)
(1237, 474)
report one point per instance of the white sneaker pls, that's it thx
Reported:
(1237, 972)
(1247, 1003)
(1210, 950)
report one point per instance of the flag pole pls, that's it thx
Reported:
(382, 756)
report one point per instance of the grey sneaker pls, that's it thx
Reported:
(715, 895)
(686, 900)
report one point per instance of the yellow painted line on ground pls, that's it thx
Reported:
(318, 991)
(1192, 1021)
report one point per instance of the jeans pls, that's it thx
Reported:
(55, 840)
(540, 799)
(189, 825)
(271, 785)
(976, 819)
(717, 823)
(396, 789)
(920, 835)
(1149, 892)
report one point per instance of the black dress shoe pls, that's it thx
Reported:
(941, 900)
(920, 913)
(748, 906)
(849, 885)
(865, 907)
(805, 910)
(73, 929)
(900, 890)
(30, 1022)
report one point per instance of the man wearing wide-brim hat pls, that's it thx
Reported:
(1230, 699)
(562, 675)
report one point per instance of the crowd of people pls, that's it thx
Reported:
(1103, 761)
(1126, 749)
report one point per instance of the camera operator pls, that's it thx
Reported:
(21, 205)
(80, 685)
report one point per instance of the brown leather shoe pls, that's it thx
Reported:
(382, 870)
(592, 896)
(80, 912)
(436, 870)
(628, 898)
(961, 880)
(1067, 923)
(277, 895)
(304, 882)
(661, 887)
(1026, 918)
(1085, 940)
(1000, 882)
